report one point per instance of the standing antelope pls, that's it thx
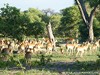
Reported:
(49, 47)
(82, 48)
(28, 56)
(71, 48)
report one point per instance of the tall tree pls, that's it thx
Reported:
(10, 20)
(88, 18)
(48, 13)
(33, 14)
(55, 21)
(36, 29)
(70, 22)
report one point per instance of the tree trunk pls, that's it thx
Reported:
(88, 20)
(91, 34)
(50, 34)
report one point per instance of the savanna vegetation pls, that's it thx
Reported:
(78, 22)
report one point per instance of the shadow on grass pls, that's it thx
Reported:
(46, 64)
(70, 66)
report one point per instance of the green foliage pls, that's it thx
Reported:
(36, 28)
(32, 22)
(83, 32)
(96, 28)
(93, 2)
(33, 15)
(16, 24)
(55, 22)
(69, 22)
(44, 60)
(45, 18)
(98, 63)
(9, 20)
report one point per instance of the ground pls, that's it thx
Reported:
(55, 64)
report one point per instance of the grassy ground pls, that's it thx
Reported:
(55, 64)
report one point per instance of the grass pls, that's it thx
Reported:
(56, 64)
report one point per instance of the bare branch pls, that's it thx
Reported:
(83, 11)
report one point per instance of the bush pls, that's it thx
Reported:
(43, 59)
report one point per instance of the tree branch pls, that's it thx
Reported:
(92, 12)
(83, 11)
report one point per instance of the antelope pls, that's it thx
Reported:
(28, 53)
(71, 40)
(93, 48)
(7, 51)
(86, 46)
(61, 50)
(82, 48)
(98, 43)
(22, 46)
(39, 46)
(49, 47)
(28, 56)
(71, 48)
(2, 42)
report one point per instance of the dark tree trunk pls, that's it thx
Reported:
(88, 20)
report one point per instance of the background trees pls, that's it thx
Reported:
(36, 29)
(32, 22)
(9, 21)
(70, 22)
(55, 22)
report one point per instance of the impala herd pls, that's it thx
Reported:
(82, 48)
(29, 47)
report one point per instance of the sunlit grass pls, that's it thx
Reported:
(59, 64)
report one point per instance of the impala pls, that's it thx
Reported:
(71, 40)
(71, 48)
(49, 47)
(82, 48)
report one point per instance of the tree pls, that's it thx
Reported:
(33, 14)
(48, 11)
(50, 34)
(70, 22)
(88, 18)
(47, 14)
(36, 29)
(9, 20)
(55, 21)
